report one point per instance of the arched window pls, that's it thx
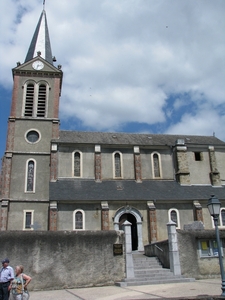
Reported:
(78, 220)
(222, 217)
(30, 176)
(41, 105)
(156, 165)
(29, 100)
(173, 215)
(117, 164)
(77, 157)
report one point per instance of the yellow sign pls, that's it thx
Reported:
(204, 245)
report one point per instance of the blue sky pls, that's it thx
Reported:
(129, 65)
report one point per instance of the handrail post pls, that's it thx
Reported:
(173, 249)
(128, 249)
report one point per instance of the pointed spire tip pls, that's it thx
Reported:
(40, 41)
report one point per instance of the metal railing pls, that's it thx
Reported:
(159, 248)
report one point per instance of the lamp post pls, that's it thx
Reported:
(214, 210)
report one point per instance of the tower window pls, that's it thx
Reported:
(32, 136)
(28, 219)
(41, 105)
(30, 176)
(35, 102)
(29, 102)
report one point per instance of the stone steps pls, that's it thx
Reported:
(148, 270)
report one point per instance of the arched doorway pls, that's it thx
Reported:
(130, 218)
(133, 216)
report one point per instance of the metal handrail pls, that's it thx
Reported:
(158, 248)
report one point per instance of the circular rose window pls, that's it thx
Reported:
(33, 136)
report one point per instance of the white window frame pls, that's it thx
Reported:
(178, 216)
(81, 164)
(121, 164)
(160, 165)
(210, 252)
(35, 167)
(36, 90)
(220, 220)
(24, 219)
(74, 221)
(32, 129)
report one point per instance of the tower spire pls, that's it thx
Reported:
(41, 41)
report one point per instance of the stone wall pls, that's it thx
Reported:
(65, 259)
(191, 264)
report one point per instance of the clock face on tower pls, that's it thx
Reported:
(38, 65)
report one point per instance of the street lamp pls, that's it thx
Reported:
(214, 210)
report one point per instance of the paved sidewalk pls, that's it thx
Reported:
(198, 288)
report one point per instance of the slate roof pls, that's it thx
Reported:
(89, 190)
(40, 41)
(116, 138)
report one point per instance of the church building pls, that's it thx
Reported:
(55, 180)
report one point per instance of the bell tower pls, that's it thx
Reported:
(33, 122)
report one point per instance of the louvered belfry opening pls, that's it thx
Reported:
(29, 104)
(41, 105)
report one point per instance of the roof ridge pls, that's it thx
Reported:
(140, 133)
(148, 139)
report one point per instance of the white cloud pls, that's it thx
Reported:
(130, 56)
(109, 107)
(205, 122)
